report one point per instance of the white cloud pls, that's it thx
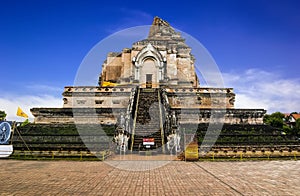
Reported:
(10, 103)
(136, 14)
(131, 18)
(257, 88)
(44, 88)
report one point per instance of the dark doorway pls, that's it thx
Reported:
(148, 80)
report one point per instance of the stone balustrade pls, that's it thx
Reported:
(95, 89)
(199, 90)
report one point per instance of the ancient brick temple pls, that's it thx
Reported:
(147, 87)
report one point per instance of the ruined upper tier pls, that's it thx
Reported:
(163, 58)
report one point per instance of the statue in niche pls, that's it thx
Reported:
(167, 124)
(122, 121)
(198, 100)
(127, 123)
(176, 101)
(173, 119)
(65, 100)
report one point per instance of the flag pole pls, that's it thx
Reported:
(24, 115)
(23, 140)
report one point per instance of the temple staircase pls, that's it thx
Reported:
(148, 121)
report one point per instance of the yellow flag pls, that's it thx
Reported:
(21, 113)
(106, 83)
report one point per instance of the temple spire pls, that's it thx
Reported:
(160, 26)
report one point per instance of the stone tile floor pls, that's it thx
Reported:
(166, 178)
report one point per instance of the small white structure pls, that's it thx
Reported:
(6, 150)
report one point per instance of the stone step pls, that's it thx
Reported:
(147, 124)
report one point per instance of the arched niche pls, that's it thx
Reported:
(149, 61)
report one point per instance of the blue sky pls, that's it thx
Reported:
(256, 45)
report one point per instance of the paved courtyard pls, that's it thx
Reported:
(166, 178)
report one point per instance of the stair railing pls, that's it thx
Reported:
(135, 116)
(162, 97)
(129, 112)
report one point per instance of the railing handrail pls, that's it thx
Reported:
(161, 123)
(134, 121)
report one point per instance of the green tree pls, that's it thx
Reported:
(2, 115)
(275, 119)
(277, 115)
(297, 126)
(266, 118)
(287, 129)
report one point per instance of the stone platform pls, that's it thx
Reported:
(174, 178)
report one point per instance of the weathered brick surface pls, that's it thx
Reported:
(174, 178)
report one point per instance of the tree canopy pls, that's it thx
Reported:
(2, 115)
(297, 126)
(275, 119)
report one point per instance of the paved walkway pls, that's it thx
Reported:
(170, 178)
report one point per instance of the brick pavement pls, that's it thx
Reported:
(173, 178)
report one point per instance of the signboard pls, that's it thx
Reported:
(5, 134)
(191, 152)
(148, 141)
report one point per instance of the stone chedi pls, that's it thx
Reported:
(162, 58)
(161, 64)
